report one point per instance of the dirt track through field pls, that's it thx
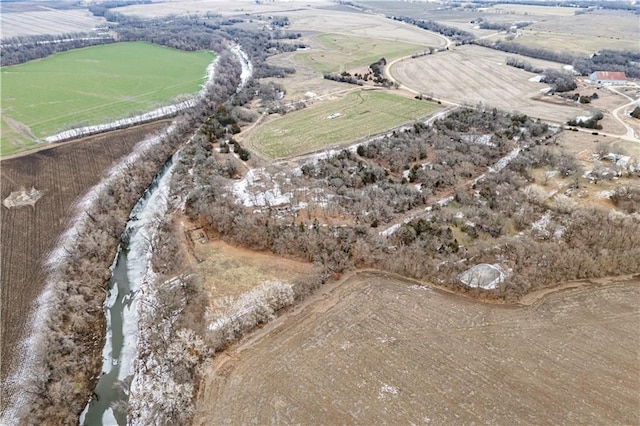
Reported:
(383, 350)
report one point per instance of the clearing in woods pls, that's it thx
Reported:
(62, 174)
(378, 349)
(472, 75)
(231, 271)
(97, 84)
(359, 114)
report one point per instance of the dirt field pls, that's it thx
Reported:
(232, 271)
(473, 74)
(48, 21)
(28, 234)
(380, 350)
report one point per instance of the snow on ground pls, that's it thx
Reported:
(484, 275)
(30, 348)
(107, 351)
(478, 139)
(504, 161)
(541, 226)
(258, 188)
(152, 383)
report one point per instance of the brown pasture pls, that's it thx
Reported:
(383, 350)
(472, 74)
(63, 173)
(48, 21)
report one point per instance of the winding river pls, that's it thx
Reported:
(129, 270)
(121, 304)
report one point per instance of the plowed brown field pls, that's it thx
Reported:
(383, 350)
(63, 174)
(473, 74)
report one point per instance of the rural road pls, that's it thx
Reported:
(632, 133)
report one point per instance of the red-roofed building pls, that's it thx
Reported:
(608, 77)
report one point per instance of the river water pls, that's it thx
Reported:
(128, 270)
(121, 307)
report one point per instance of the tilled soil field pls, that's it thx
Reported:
(62, 174)
(472, 75)
(382, 350)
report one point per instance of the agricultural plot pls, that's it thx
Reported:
(582, 34)
(48, 21)
(337, 52)
(472, 75)
(98, 84)
(61, 174)
(378, 350)
(359, 114)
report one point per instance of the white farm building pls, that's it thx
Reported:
(608, 78)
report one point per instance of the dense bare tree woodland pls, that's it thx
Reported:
(453, 169)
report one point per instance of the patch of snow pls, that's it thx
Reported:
(108, 418)
(419, 287)
(479, 139)
(618, 159)
(484, 275)
(541, 225)
(390, 230)
(583, 118)
(258, 188)
(504, 161)
(386, 391)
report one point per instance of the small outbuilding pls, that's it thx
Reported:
(608, 78)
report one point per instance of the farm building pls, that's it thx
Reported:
(608, 77)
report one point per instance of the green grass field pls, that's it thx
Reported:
(95, 85)
(340, 52)
(362, 113)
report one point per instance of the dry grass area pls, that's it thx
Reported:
(383, 350)
(580, 34)
(231, 271)
(472, 74)
(577, 44)
(48, 21)
(63, 174)
(536, 12)
(319, 16)
(358, 114)
(338, 52)
(222, 7)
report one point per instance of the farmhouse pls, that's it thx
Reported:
(609, 78)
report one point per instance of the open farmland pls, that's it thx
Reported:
(62, 174)
(359, 114)
(378, 350)
(98, 84)
(581, 34)
(318, 16)
(47, 21)
(337, 52)
(472, 75)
